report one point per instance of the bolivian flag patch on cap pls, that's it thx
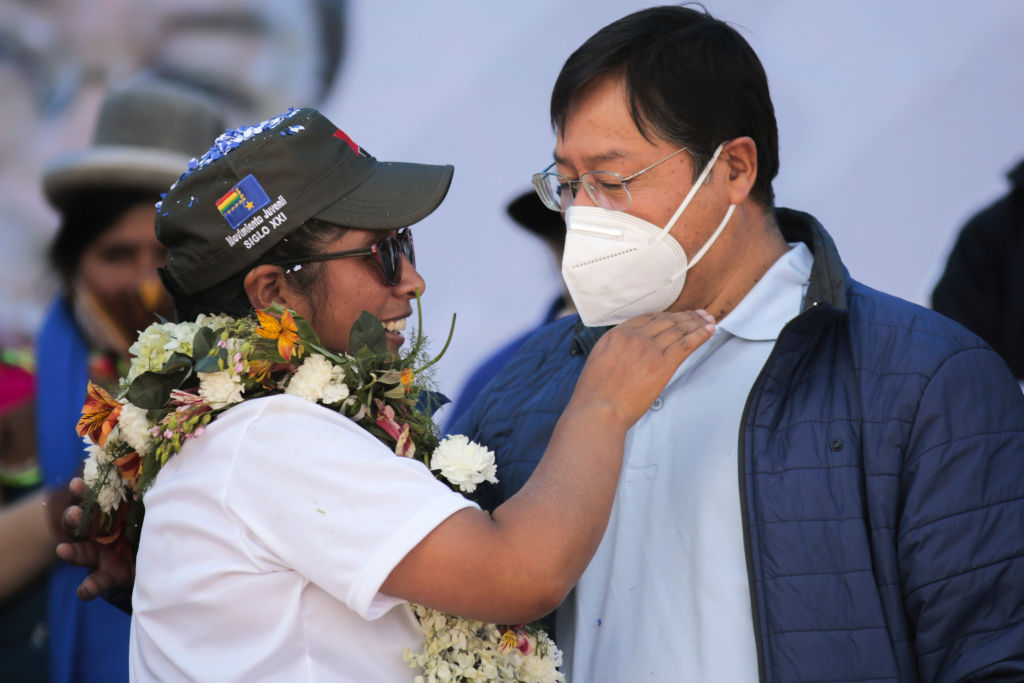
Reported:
(242, 201)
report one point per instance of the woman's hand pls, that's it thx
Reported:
(631, 364)
(111, 571)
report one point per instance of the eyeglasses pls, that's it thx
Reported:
(388, 253)
(607, 190)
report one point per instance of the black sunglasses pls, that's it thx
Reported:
(387, 252)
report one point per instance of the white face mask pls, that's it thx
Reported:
(617, 266)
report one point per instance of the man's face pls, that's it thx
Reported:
(600, 135)
(349, 286)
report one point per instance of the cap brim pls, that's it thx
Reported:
(395, 195)
(113, 166)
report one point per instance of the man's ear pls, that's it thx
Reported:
(740, 155)
(266, 284)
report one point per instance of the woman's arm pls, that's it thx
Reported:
(519, 563)
(27, 537)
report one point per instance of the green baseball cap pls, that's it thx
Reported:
(258, 184)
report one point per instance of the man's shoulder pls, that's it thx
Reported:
(549, 345)
(880, 312)
(885, 326)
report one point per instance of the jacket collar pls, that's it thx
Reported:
(828, 283)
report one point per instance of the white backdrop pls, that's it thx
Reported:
(896, 121)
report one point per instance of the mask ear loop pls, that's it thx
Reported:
(693, 191)
(714, 236)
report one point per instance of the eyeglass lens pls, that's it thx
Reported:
(604, 189)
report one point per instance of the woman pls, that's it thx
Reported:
(284, 540)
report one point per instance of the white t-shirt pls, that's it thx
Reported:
(666, 597)
(265, 544)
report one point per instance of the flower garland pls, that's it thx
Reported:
(184, 375)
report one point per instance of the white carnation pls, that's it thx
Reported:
(91, 471)
(95, 453)
(220, 389)
(111, 490)
(135, 428)
(464, 463)
(311, 379)
(540, 670)
(335, 392)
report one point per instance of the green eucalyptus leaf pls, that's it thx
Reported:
(204, 340)
(176, 363)
(151, 390)
(305, 330)
(368, 332)
(210, 363)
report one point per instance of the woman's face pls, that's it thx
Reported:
(124, 256)
(349, 286)
(116, 286)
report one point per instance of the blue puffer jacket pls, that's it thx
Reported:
(882, 482)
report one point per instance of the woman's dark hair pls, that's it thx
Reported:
(229, 297)
(689, 78)
(84, 218)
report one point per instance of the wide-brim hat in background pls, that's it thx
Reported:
(529, 212)
(147, 132)
(260, 183)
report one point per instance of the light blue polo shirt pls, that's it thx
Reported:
(666, 597)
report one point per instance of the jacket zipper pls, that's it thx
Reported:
(762, 675)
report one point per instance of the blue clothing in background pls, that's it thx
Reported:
(490, 367)
(88, 640)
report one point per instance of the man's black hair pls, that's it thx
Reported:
(690, 79)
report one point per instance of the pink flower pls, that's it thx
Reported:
(386, 419)
(395, 429)
(516, 637)
(405, 447)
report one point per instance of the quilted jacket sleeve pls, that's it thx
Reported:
(961, 532)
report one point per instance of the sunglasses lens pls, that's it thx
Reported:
(405, 242)
(389, 254)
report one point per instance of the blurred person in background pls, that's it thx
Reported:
(982, 287)
(529, 213)
(22, 584)
(106, 255)
(59, 58)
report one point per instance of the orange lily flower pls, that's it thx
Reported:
(407, 377)
(285, 331)
(130, 466)
(99, 415)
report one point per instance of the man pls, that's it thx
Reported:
(873, 528)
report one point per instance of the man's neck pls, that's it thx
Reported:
(763, 245)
